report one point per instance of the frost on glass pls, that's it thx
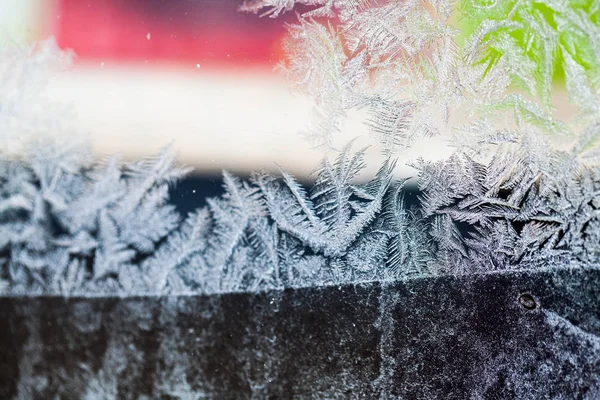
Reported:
(521, 191)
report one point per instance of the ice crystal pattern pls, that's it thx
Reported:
(460, 69)
(108, 228)
(69, 226)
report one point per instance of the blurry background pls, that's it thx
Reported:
(196, 73)
(150, 72)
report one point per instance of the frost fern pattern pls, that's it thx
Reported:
(108, 228)
(525, 195)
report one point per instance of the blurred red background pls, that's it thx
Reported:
(196, 73)
(211, 33)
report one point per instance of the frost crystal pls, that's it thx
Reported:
(424, 68)
(109, 227)
(520, 192)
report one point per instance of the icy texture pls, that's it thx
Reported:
(460, 69)
(439, 338)
(68, 226)
(108, 228)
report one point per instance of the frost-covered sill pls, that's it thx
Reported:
(573, 268)
(504, 335)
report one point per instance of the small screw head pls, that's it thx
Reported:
(527, 301)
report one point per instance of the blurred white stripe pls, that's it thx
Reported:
(239, 121)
